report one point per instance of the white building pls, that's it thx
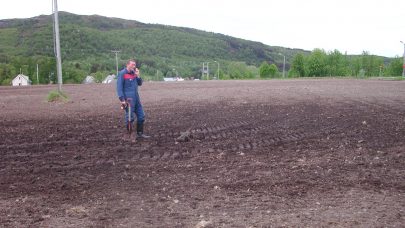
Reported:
(175, 79)
(21, 80)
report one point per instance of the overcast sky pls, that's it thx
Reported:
(347, 25)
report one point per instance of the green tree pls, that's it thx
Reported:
(7, 73)
(99, 76)
(239, 70)
(355, 66)
(264, 70)
(337, 64)
(395, 67)
(371, 64)
(317, 63)
(273, 70)
(298, 65)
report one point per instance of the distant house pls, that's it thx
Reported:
(168, 79)
(174, 79)
(21, 80)
(89, 79)
(109, 79)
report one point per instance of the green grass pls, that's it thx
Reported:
(393, 78)
(385, 78)
(55, 96)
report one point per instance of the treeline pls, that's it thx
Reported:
(316, 64)
(99, 68)
(87, 43)
(321, 64)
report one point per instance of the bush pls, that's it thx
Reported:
(362, 73)
(6, 82)
(273, 70)
(264, 70)
(56, 96)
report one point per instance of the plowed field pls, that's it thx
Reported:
(303, 153)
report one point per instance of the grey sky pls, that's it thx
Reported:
(346, 25)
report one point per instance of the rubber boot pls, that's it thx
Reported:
(139, 132)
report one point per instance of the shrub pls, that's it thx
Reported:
(56, 96)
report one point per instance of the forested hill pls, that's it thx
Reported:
(87, 43)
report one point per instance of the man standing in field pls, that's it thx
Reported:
(128, 81)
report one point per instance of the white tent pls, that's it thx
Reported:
(21, 80)
(109, 79)
(168, 79)
(89, 79)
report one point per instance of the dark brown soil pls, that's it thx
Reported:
(301, 153)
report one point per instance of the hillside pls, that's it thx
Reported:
(87, 42)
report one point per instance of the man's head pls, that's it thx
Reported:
(131, 64)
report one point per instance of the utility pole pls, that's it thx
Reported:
(57, 44)
(208, 70)
(202, 71)
(205, 70)
(37, 75)
(116, 59)
(217, 70)
(283, 64)
(403, 66)
(380, 74)
(284, 67)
